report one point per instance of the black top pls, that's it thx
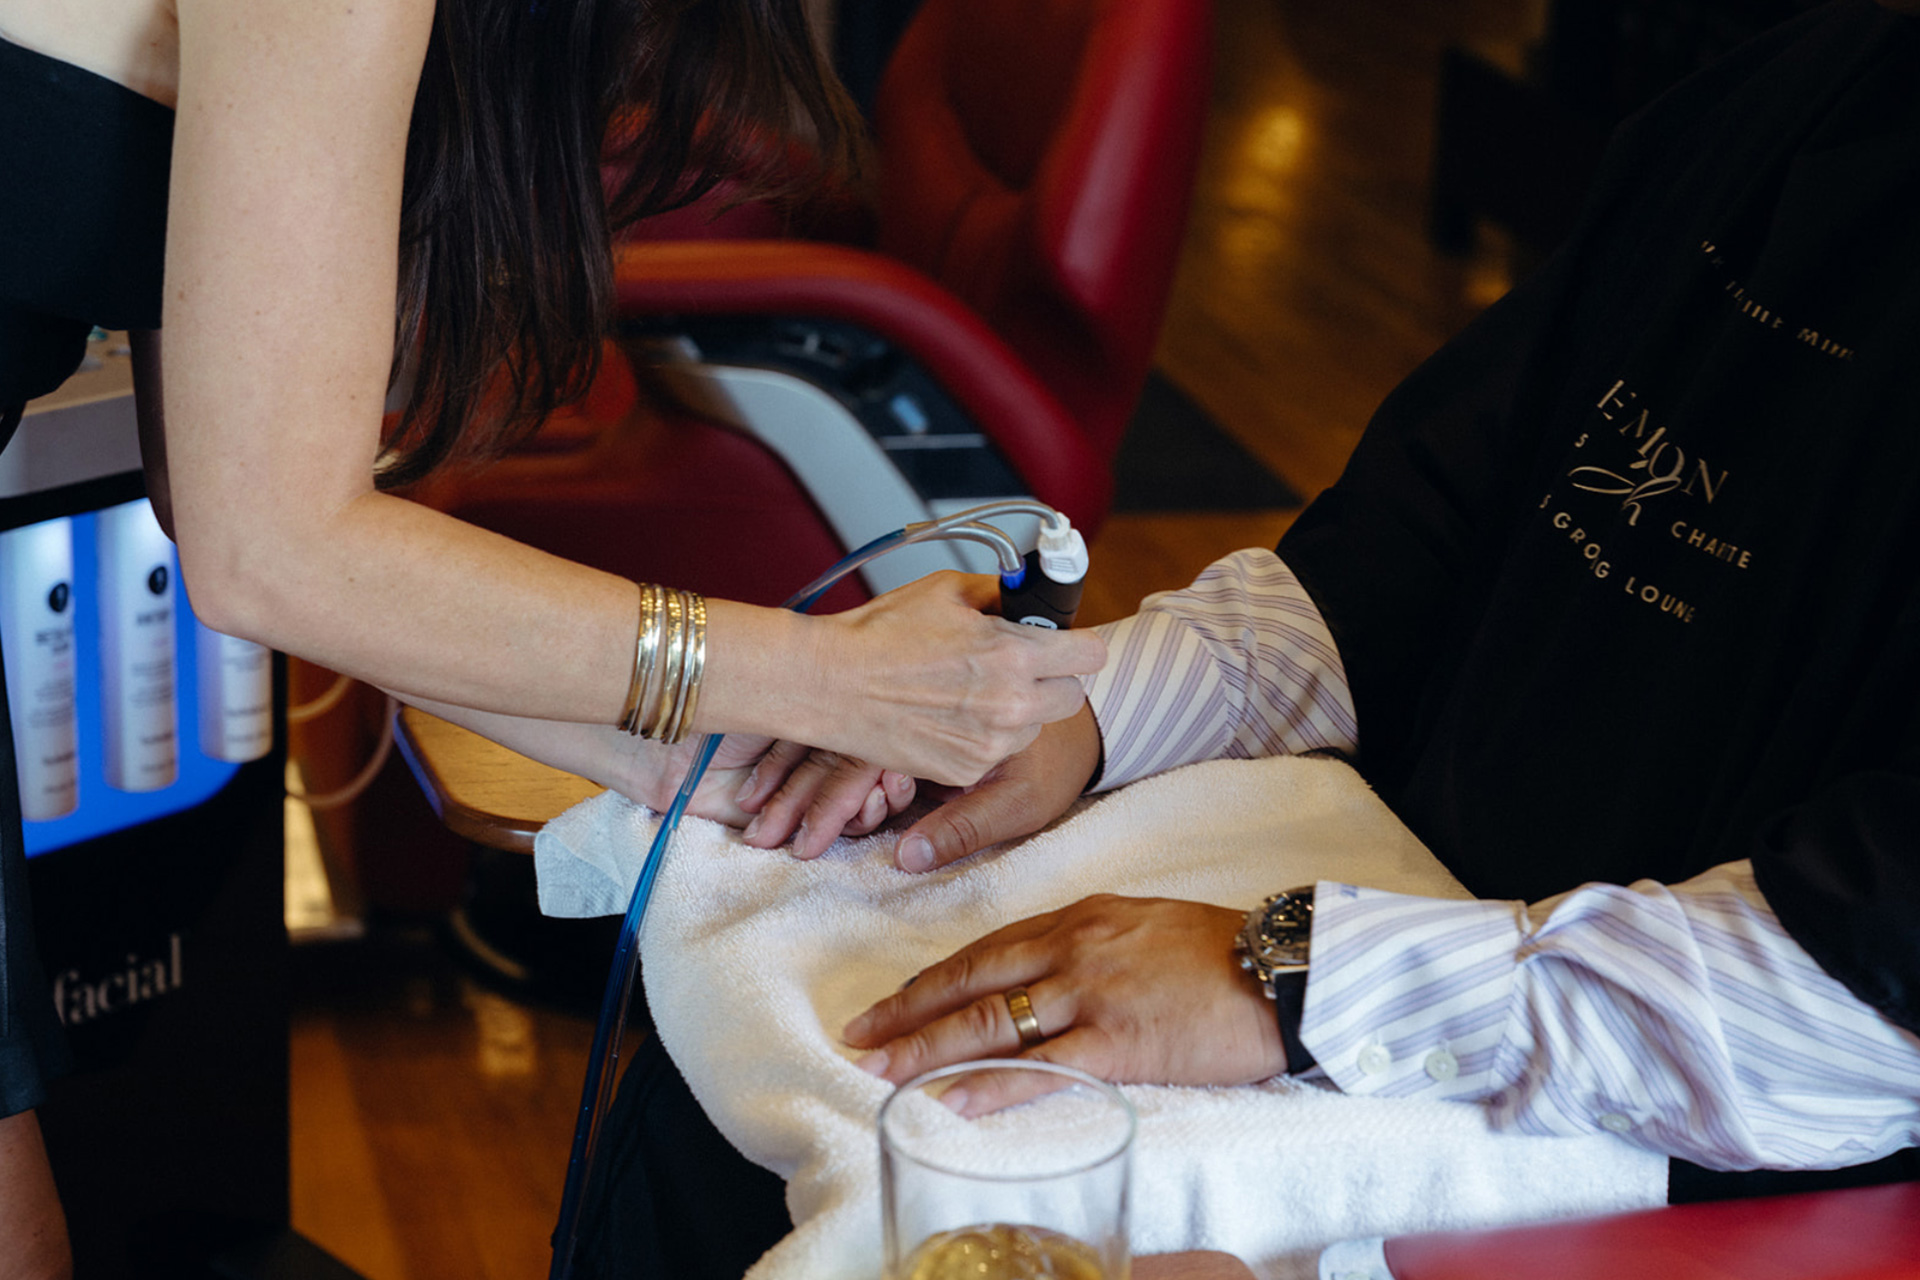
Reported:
(83, 217)
(1627, 578)
(83, 203)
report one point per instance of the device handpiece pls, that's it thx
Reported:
(1046, 591)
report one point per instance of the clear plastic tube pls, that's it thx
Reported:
(603, 1059)
(986, 535)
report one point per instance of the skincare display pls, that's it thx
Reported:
(36, 631)
(236, 696)
(123, 703)
(136, 590)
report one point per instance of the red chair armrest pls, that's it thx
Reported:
(1140, 109)
(785, 278)
(1867, 1233)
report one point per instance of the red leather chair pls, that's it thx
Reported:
(1869, 1233)
(797, 397)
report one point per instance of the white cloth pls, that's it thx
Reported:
(754, 961)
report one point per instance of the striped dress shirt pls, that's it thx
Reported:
(1679, 1017)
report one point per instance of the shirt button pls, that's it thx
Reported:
(1374, 1059)
(1614, 1122)
(1442, 1066)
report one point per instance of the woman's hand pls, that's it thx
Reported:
(775, 791)
(833, 801)
(814, 796)
(817, 796)
(920, 681)
(652, 773)
(1142, 991)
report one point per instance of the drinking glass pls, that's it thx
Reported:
(1036, 1191)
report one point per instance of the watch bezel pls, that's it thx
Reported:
(1277, 936)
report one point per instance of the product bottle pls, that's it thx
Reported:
(136, 648)
(236, 696)
(36, 631)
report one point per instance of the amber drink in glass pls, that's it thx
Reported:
(1035, 1191)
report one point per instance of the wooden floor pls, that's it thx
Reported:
(432, 1116)
(1306, 289)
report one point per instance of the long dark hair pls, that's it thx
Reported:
(506, 275)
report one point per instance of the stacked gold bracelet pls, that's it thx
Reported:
(669, 659)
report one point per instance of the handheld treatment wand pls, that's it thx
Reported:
(1045, 590)
(1040, 584)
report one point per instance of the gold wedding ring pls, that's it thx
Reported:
(1020, 1005)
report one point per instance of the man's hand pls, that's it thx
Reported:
(924, 680)
(1019, 796)
(1141, 991)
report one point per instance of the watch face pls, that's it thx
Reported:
(1285, 928)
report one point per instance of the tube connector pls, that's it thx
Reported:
(1063, 552)
(1046, 591)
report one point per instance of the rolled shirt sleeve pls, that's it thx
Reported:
(1238, 665)
(1681, 1018)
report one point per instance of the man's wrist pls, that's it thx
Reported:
(1289, 1008)
(1273, 945)
(1091, 744)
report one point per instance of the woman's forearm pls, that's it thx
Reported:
(648, 772)
(417, 602)
(288, 166)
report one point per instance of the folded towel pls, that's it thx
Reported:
(754, 961)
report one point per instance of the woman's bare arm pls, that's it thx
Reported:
(282, 261)
(33, 1230)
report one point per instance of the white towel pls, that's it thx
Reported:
(753, 962)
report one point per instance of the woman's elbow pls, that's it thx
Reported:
(230, 588)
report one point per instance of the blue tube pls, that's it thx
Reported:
(596, 1093)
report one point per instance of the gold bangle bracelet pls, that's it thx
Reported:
(699, 661)
(642, 663)
(654, 726)
(670, 684)
(657, 624)
(691, 672)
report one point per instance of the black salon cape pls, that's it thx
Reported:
(83, 199)
(1627, 578)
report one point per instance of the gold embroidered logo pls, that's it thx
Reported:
(1766, 317)
(1659, 465)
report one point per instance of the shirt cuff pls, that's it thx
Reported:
(1239, 665)
(1409, 996)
